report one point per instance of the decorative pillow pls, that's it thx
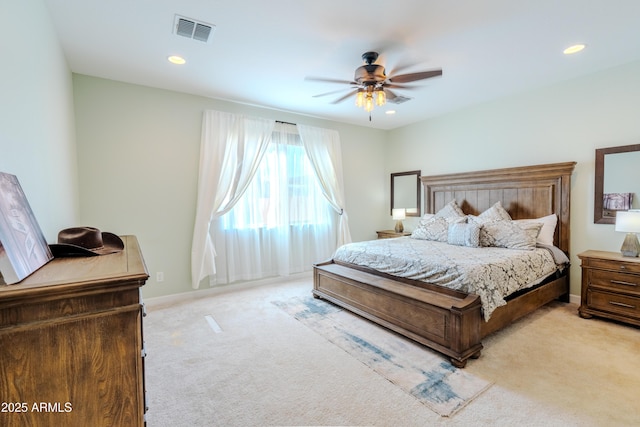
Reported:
(484, 238)
(511, 235)
(549, 224)
(451, 209)
(463, 234)
(495, 213)
(437, 228)
(425, 218)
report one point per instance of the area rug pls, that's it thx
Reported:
(417, 370)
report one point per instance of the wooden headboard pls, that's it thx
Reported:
(525, 192)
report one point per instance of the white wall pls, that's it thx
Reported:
(566, 122)
(37, 141)
(138, 153)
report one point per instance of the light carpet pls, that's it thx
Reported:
(262, 367)
(424, 374)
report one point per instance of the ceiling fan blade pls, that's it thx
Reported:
(330, 93)
(396, 86)
(342, 98)
(399, 67)
(322, 79)
(412, 77)
(390, 94)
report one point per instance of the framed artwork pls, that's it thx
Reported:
(23, 248)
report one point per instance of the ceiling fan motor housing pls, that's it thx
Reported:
(370, 74)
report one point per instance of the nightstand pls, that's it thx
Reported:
(610, 286)
(387, 234)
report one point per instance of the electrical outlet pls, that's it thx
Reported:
(159, 276)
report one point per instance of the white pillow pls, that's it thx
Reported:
(549, 224)
(451, 209)
(425, 218)
(495, 213)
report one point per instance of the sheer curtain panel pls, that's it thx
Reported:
(231, 149)
(325, 153)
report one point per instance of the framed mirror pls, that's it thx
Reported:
(616, 176)
(405, 192)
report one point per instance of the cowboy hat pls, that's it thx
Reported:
(86, 241)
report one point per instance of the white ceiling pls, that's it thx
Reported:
(262, 51)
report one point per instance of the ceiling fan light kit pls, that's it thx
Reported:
(372, 86)
(365, 98)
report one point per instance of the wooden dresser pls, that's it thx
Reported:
(71, 345)
(610, 286)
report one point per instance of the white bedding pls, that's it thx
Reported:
(490, 272)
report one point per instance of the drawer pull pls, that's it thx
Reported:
(620, 304)
(620, 282)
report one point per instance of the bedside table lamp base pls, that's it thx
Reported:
(399, 214)
(629, 222)
(630, 246)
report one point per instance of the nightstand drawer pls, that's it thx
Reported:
(614, 281)
(621, 304)
(629, 267)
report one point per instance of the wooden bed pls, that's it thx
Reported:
(445, 320)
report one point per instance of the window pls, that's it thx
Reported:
(282, 224)
(285, 191)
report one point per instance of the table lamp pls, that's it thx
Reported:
(629, 222)
(399, 214)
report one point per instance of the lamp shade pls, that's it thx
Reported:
(398, 214)
(628, 221)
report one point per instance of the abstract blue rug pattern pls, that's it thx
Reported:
(424, 374)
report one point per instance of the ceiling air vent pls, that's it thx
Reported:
(398, 99)
(192, 29)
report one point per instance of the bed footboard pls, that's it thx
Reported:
(448, 322)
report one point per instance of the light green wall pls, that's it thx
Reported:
(138, 153)
(137, 147)
(566, 122)
(37, 141)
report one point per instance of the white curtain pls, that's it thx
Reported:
(323, 149)
(283, 224)
(232, 147)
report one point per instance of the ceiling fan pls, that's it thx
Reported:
(371, 85)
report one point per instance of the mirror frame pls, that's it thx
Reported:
(417, 174)
(598, 202)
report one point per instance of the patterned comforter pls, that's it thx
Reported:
(492, 273)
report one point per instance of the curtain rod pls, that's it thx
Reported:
(285, 123)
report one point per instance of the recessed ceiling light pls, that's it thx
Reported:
(573, 49)
(174, 59)
(390, 112)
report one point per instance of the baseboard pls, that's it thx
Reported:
(165, 300)
(574, 299)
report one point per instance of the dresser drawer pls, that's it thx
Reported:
(614, 303)
(614, 281)
(630, 267)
